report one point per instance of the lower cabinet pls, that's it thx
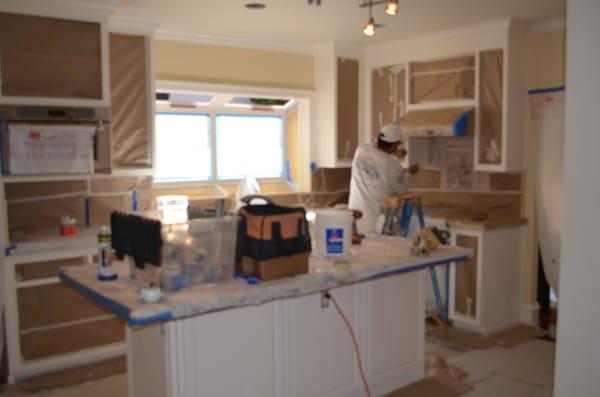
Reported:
(293, 347)
(50, 326)
(485, 289)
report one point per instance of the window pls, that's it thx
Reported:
(183, 150)
(249, 145)
(242, 144)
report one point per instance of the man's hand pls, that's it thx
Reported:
(413, 169)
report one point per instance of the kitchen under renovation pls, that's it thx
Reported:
(299, 198)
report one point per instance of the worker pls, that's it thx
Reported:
(377, 172)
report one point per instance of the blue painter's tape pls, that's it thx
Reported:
(461, 125)
(288, 171)
(8, 250)
(134, 202)
(546, 90)
(119, 309)
(87, 211)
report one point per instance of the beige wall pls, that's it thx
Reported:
(546, 69)
(182, 61)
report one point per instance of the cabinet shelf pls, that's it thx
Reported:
(73, 177)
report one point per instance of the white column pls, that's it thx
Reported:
(578, 349)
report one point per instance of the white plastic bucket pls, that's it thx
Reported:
(333, 232)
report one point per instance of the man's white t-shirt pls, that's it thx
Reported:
(375, 174)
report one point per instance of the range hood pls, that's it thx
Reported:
(447, 122)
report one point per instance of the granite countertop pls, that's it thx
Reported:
(378, 256)
(462, 218)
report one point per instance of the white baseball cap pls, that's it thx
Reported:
(392, 133)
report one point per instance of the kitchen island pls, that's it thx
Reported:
(279, 338)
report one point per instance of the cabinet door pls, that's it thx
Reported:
(55, 319)
(347, 108)
(394, 346)
(465, 291)
(442, 80)
(129, 86)
(222, 354)
(52, 58)
(491, 109)
(387, 96)
(319, 354)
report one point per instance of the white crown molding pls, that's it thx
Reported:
(232, 42)
(128, 24)
(548, 25)
(504, 23)
(65, 9)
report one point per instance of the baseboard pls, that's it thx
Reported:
(530, 313)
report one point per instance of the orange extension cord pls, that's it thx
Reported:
(355, 341)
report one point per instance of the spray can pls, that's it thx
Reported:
(105, 271)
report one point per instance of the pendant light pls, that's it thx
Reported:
(392, 7)
(369, 29)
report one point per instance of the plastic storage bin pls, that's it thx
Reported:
(198, 251)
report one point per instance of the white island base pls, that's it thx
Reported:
(288, 347)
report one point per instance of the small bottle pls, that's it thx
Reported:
(105, 271)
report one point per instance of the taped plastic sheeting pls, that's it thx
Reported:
(387, 96)
(129, 100)
(102, 206)
(490, 98)
(547, 114)
(53, 58)
(44, 214)
(72, 338)
(444, 79)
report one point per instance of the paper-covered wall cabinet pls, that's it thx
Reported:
(347, 108)
(44, 57)
(130, 101)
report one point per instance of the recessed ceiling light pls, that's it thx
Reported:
(256, 6)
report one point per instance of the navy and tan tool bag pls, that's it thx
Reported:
(273, 240)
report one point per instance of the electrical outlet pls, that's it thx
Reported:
(324, 299)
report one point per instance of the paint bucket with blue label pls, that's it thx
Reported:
(333, 235)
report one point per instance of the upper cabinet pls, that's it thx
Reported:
(50, 61)
(502, 104)
(446, 79)
(388, 95)
(338, 102)
(474, 98)
(131, 100)
(347, 108)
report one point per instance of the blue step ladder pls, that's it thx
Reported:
(411, 206)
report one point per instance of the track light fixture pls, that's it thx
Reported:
(369, 29)
(392, 7)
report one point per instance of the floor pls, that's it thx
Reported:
(523, 371)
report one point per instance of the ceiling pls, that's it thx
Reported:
(295, 23)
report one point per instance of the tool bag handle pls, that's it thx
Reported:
(247, 199)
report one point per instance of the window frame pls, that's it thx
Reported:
(213, 112)
(282, 117)
(162, 181)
